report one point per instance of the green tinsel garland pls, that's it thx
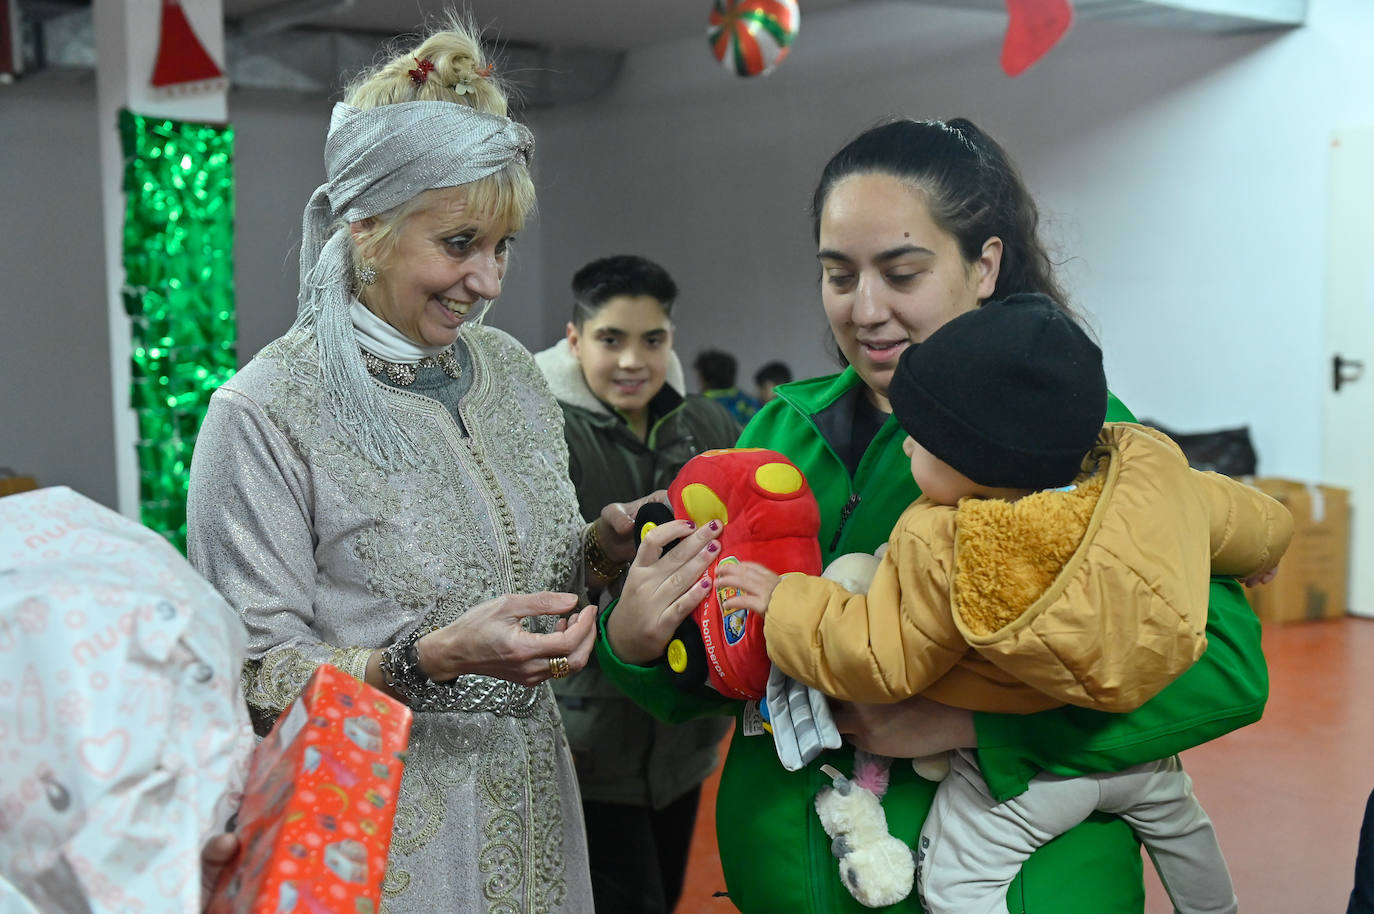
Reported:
(179, 294)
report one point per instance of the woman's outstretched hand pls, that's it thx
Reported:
(661, 589)
(489, 640)
(908, 729)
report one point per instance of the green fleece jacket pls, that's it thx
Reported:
(774, 853)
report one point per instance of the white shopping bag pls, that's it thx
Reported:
(124, 738)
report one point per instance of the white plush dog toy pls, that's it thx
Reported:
(877, 869)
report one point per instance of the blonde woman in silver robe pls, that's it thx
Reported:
(385, 488)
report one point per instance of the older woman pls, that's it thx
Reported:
(385, 488)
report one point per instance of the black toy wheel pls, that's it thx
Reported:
(686, 659)
(649, 516)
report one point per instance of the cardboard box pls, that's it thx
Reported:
(12, 483)
(319, 802)
(1314, 576)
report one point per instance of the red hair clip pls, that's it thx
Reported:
(425, 67)
(486, 71)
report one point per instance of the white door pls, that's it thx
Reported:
(1348, 412)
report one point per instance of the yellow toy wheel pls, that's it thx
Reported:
(677, 656)
(686, 658)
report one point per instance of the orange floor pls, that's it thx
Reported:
(1286, 794)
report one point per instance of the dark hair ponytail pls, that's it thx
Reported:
(971, 187)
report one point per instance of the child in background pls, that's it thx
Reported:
(1049, 560)
(716, 376)
(767, 378)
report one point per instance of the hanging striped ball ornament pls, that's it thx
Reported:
(751, 37)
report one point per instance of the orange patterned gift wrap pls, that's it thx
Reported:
(315, 823)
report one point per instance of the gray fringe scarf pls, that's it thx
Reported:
(375, 160)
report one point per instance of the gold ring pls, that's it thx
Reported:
(558, 667)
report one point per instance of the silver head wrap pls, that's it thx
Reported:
(376, 159)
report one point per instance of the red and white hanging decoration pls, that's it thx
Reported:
(183, 65)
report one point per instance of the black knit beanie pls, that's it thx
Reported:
(1011, 394)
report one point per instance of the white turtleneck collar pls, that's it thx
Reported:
(385, 341)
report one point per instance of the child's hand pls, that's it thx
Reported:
(754, 582)
(1264, 577)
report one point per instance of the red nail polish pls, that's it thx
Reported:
(714, 525)
(705, 582)
(691, 525)
(713, 546)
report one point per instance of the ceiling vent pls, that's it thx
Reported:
(280, 56)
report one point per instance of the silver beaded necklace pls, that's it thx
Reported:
(402, 374)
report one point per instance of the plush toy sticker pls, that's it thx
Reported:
(770, 517)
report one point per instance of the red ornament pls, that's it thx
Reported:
(1033, 27)
(751, 37)
(182, 64)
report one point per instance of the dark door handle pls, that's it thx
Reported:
(1344, 371)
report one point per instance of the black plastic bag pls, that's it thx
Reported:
(1228, 451)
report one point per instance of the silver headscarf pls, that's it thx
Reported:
(376, 159)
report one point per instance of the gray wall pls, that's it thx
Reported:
(1182, 176)
(56, 410)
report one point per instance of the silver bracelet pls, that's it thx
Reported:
(401, 668)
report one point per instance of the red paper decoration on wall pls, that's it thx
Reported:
(1033, 27)
(182, 63)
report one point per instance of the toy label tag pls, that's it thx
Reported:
(751, 721)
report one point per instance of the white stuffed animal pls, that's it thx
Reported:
(876, 868)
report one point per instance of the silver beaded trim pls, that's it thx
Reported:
(402, 374)
(466, 693)
(400, 675)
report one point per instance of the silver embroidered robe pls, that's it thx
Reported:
(329, 557)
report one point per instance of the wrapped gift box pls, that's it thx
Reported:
(317, 810)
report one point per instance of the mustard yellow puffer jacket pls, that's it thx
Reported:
(1095, 595)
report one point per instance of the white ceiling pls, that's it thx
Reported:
(611, 25)
(303, 45)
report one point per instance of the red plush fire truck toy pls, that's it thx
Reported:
(770, 517)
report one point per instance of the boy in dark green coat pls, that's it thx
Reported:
(629, 429)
